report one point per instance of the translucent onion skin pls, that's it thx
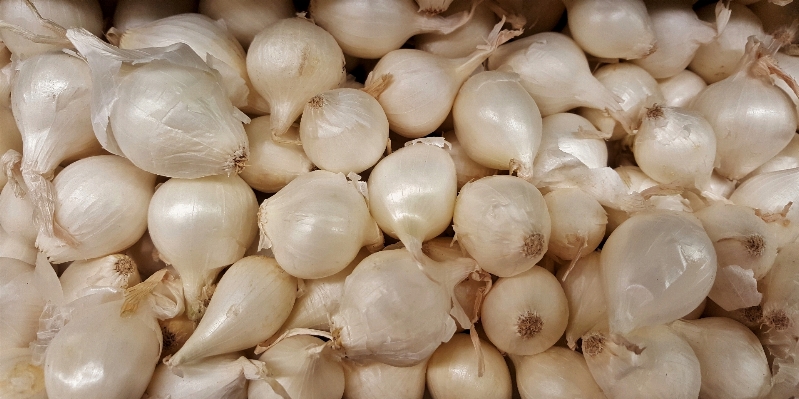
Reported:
(657, 267)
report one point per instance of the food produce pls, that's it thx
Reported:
(412, 199)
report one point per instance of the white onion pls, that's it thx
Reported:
(656, 268)
(462, 41)
(237, 318)
(454, 371)
(465, 168)
(17, 233)
(247, 18)
(272, 164)
(134, 13)
(317, 224)
(503, 223)
(680, 89)
(21, 304)
(555, 72)
(525, 314)
(578, 223)
(556, 373)
(498, 123)
(582, 284)
(568, 141)
(224, 376)
(377, 380)
(373, 28)
(344, 130)
(180, 216)
(612, 28)
(117, 271)
(775, 195)
(718, 59)
(788, 158)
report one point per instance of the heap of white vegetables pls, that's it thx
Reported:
(456, 201)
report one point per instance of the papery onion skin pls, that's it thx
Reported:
(452, 371)
(503, 222)
(525, 314)
(557, 373)
(656, 268)
(732, 359)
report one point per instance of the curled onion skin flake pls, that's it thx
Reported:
(372, 28)
(656, 268)
(498, 123)
(453, 371)
(527, 313)
(503, 223)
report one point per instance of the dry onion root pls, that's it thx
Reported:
(601, 221)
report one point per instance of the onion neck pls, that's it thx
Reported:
(197, 291)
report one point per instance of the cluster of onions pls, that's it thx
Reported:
(399, 198)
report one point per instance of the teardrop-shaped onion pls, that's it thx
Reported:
(525, 314)
(317, 224)
(679, 34)
(117, 271)
(66, 13)
(237, 318)
(465, 168)
(588, 310)
(676, 146)
(775, 196)
(271, 164)
(247, 18)
(578, 223)
(612, 28)
(224, 376)
(303, 367)
(423, 86)
(377, 380)
(636, 88)
(733, 362)
(412, 194)
(717, 60)
(498, 123)
(650, 362)
(555, 72)
(344, 130)
(453, 372)
(503, 223)
(680, 89)
(753, 118)
(556, 373)
(462, 41)
(180, 218)
(656, 268)
(394, 312)
(372, 28)
(211, 41)
(101, 202)
(289, 63)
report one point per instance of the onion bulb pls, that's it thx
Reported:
(465, 168)
(377, 380)
(568, 142)
(423, 86)
(556, 373)
(462, 41)
(21, 303)
(503, 223)
(247, 18)
(344, 130)
(788, 158)
(316, 225)
(578, 223)
(179, 218)
(732, 360)
(650, 362)
(498, 123)
(775, 196)
(612, 28)
(454, 371)
(236, 318)
(117, 271)
(17, 233)
(412, 194)
(373, 28)
(588, 309)
(289, 63)
(134, 13)
(224, 376)
(525, 314)
(656, 268)
(680, 89)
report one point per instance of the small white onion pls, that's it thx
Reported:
(344, 130)
(247, 18)
(316, 225)
(612, 28)
(134, 13)
(117, 271)
(775, 196)
(588, 310)
(289, 63)
(788, 158)
(462, 41)
(454, 371)
(557, 373)
(525, 314)
(465, 168)
(224, 376)
(17, 233)
(377, 380)
(568, 141)
(498, 123)
(503, 223)
(578, 223)
(21, 304)
(680, 89)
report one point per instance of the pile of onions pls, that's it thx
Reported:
(406, 199)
